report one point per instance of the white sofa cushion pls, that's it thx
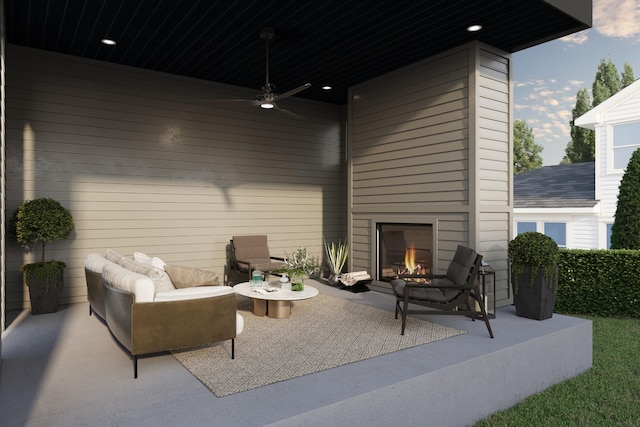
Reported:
(94, 262)
(193, 293)
(119, 277)
(239, 324)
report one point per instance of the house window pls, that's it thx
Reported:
(625, 142)
(609, 235)
(557, 231)
(526, 226)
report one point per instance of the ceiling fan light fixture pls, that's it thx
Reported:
(267, 105)
(108, 42)
(474, 28)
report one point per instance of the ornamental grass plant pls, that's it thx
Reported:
(336, 255)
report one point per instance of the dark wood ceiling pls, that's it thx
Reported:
(335, 42)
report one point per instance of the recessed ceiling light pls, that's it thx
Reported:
(474, 28)
(326, 87)
(108, 42)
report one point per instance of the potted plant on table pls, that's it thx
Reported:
(298, 265)
(534, 274)
(43, 221)
(336, 256)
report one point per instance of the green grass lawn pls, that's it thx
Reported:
(606, 395)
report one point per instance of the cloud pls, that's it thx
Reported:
(617, 18)
(576, 82)
(565, 115)
(551, 101)
(576, 38)
(546, 92)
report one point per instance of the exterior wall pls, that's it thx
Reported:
(2, 174)
(607, 178)
(582, 228)
(494, 174)
(607, 183)
(431, 143)
(145, 163)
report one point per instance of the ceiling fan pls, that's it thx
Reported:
(266, 98)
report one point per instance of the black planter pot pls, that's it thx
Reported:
(535, 301)
(45, 301)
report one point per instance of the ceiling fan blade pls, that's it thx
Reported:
(253, 102)
(288, 113)
(294, 91)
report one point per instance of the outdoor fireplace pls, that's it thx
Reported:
(404, 250)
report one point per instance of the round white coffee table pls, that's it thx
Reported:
(276, 304)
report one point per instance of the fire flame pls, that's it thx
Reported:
(410, 258)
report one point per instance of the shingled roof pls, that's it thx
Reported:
(559, 186)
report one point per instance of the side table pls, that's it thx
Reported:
(487, 271)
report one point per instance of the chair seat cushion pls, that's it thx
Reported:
(263, 265)
(426, 292)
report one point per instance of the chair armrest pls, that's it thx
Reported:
(277, 258)
(246, 263)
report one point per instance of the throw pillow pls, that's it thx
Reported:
(147, 259)
(158, 263)
(160, 278)
(187, 277)
(113, 256)
(141, 257)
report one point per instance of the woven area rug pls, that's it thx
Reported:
(322, 333)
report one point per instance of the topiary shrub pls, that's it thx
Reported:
(536, 250)
(41, 220)
(625, 232)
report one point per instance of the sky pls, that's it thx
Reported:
(547, 77)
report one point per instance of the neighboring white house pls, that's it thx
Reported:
(558, 201)
(617, 125)
(616, 122)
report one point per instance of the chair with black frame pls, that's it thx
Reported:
(249, 253)
(445, 294)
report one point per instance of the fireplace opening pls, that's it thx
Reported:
(404, 250)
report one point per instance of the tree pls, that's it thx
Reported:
(581, 148)
(627, 76)
(625, 232)
(606, 83)
(526, 153)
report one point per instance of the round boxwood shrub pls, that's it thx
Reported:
(42, 220)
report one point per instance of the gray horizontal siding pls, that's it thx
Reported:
(494, 177)
(409, 154)
(146, 162)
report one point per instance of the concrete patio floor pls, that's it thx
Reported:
(65, 369)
